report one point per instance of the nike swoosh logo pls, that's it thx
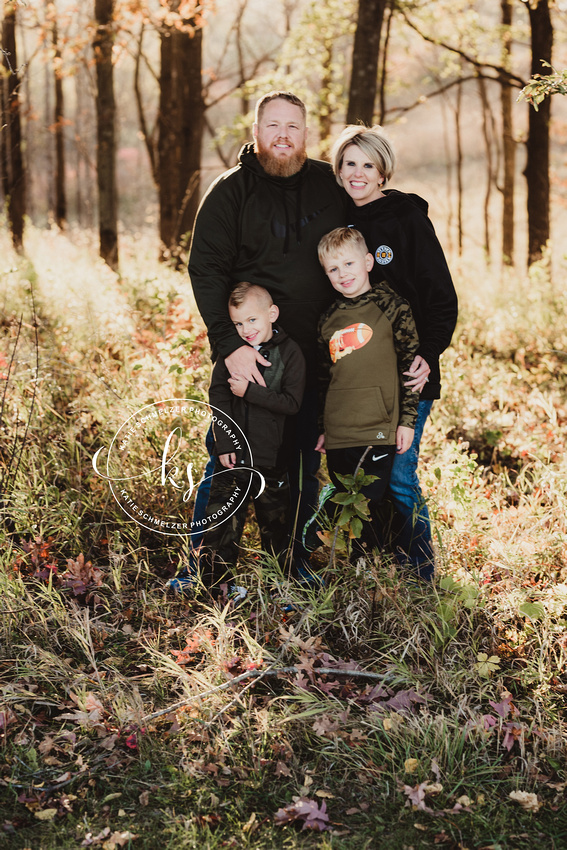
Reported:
(379, 457)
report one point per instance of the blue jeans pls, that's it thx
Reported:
(204, 489)
(412, 543)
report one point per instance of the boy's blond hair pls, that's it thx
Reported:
(244, 290)
(339, 239)
(373, 144)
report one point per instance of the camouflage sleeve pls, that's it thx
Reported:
(406, 343)
(324, 364)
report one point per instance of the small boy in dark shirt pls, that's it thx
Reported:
(261, 413)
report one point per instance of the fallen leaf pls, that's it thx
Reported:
(416, 796)
(411, 765)
(7, 716)
(45, 814)
(251, 824)
(528, 802)
(485, 665)
(313, 816)
(433, 788)
(282, 769)
(46, 745)
(324, 725)
(504, 707)
(118, 839)
(144, 798)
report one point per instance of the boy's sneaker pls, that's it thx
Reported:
(315, 523)
(184, 583)
(237, 595)
(306, 577)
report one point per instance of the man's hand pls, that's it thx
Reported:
(320, 447)
(238, 385)
(404, 438)
(418, 374)
(228, 460)
(242, 364)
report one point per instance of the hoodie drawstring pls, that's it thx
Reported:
(297, 217)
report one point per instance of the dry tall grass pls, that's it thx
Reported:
(164, 720)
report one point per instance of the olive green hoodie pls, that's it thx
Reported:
(365, 345)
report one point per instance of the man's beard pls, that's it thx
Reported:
(280, 167)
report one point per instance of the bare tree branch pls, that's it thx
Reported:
(401, 110)
(149, 140)
(502, 72)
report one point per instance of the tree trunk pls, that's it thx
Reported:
(180, 128)
(13, 174)
(537, 164)
(60, 193)
(106, 141)
(487, 135)
(366, 50)
(508, 141)
(383, 68)
(325, 106)
(459, 167)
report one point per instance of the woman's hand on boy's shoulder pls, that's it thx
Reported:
(418, 374)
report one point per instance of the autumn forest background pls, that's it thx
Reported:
(369, 713)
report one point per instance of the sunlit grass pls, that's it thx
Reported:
(113, 676)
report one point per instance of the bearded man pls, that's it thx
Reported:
(261, 222)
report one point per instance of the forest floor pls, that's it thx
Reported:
(376, 713)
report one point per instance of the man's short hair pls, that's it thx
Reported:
(244, 290)
(274, 95)
(339, 239)
(373, 144)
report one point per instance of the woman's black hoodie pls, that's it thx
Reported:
(407, 254)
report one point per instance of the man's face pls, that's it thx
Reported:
(280, 137)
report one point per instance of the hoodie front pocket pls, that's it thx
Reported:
(356, 415)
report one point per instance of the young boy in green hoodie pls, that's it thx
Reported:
(367, 340)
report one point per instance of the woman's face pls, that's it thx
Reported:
(360, 177)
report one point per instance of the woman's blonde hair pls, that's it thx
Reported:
(372, 142)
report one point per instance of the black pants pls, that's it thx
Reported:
(378, 461)
(219, 551)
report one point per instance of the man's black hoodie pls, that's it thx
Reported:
(265, 230)
(407, 254)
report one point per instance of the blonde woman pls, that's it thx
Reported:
(409, 257)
